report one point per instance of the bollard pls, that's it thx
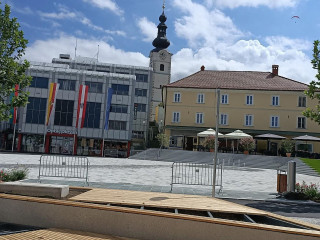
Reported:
(291, 176)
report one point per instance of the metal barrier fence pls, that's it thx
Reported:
(195, 174)
(64, 166)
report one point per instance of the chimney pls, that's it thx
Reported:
(202, 68)
(275, 70)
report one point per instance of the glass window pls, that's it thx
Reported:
(39, 82)
(36, 110)
(161, 67)
(117, 125)
(176, 117)
(274, 121)
(177, 97)
(64, 112)
(199, 118)
(120, 89)
(302, 101)
(119, 108)
(302, 122)
(140, 92)
(66, 84)
(224, 99)
(92, 117)
(249, 100)
(248, 120)
(275, 100)
(200, 98)
(94, 87)
(141, 107)
(138, 134)
(223, 119)
(141, 77)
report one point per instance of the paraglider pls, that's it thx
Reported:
(295, 18)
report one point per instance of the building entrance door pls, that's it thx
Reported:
(61, 145)
(189, 145)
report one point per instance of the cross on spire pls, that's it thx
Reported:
(164, 5)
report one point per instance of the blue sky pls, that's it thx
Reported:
(220, 34)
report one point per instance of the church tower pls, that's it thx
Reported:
(160, 62)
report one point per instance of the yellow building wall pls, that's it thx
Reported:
(236, 109)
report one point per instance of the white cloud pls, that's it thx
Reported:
(45, 50)
(252, 3)
(106, 4)
(147, 28)
(65, 13)
(203, 27)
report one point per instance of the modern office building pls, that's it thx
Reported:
(254, 102)
(117, 108)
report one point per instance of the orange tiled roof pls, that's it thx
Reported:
(239, 80)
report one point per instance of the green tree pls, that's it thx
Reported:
(12, 72)
(313, 90)
(163, 139)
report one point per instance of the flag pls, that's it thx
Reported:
(52, 100)
(15, 109)
(82, 104)
(108, 105)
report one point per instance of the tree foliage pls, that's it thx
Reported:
(12, 72)
(314, 87)
(163, 139)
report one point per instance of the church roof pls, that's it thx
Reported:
(241, 80)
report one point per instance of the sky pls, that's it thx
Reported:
(239, 35)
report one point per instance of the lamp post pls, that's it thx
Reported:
(145, 138)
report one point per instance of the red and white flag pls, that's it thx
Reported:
(82, 104)
(52, 100)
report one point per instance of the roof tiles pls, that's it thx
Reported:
(242, 80)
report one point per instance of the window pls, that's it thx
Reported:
(199, 118)
(248, 120)
(36, 110)
(302, 101)
(92, 117)
(64, 112)
(39, 82)
(224, 99)
(141, 92)
(161, 67)
(176, 117)
(302, 122)
(120, 89)
(177, 97)
(223, 119)
(66, 84)
(119, 108)
(141, 107)
(94, 87)
(200, 98)
(117, 125)
(275, 101)
(274, 121)
(141, 78)
(249, 99)
(138, 134)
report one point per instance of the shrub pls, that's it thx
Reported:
(209, 142)
(248, 144)
(287, 145)
(15, 174)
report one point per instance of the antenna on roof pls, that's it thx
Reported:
(75, 49)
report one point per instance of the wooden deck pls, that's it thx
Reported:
(54, 234)
(162, 200)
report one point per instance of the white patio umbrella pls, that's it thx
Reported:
(237, 134)
(209, 132)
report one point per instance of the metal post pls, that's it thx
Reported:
(216, 146)
(291, 176)
(14, 136)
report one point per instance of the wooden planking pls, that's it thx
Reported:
(54, 234)
(163, 200)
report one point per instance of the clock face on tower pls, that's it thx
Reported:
(163, 55)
